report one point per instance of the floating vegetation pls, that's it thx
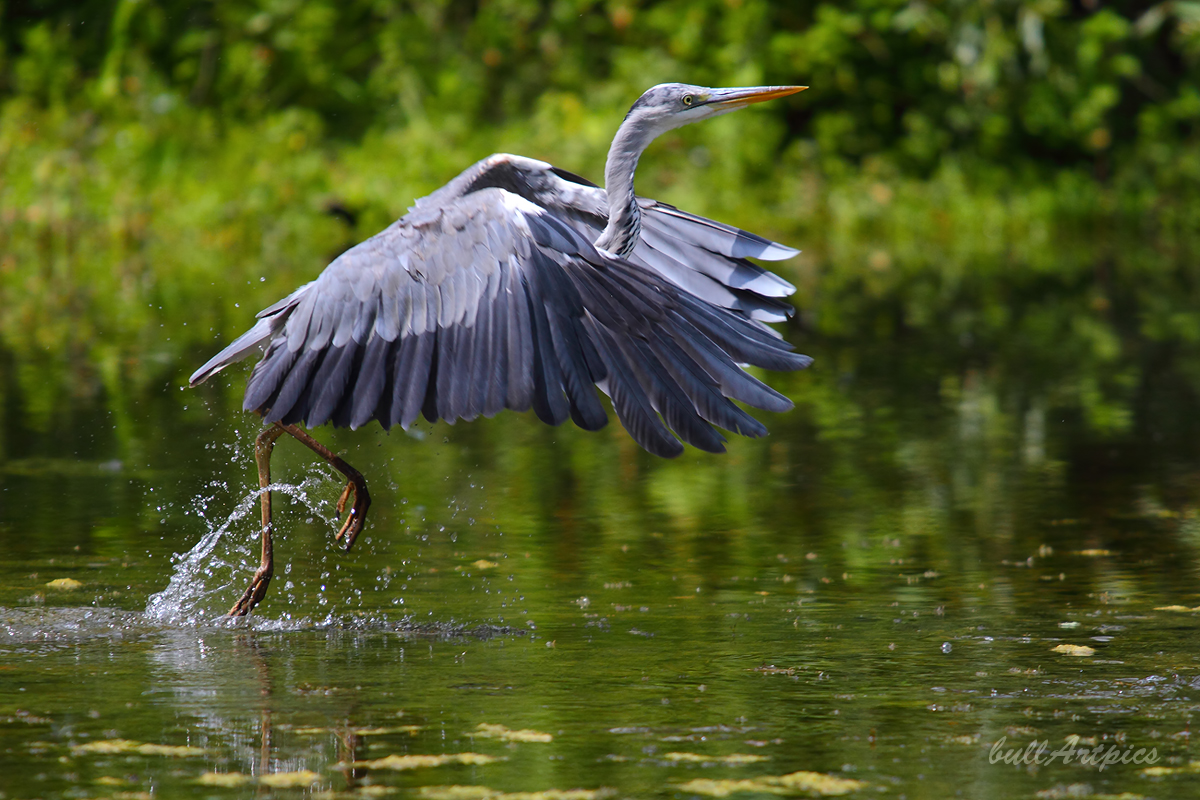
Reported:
(290, 780)
(1074, 650)
(118, 746)
(64, 584)
(411, 730)
(227, 780)
(794, 783)
(487, 731)
(1191, 768)
(1176, 608)
(482, 563)
(1078, 791)
(399, 762)
(278, 780)
(733, 760)
(487, 793)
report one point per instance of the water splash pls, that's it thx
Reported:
(202, 586)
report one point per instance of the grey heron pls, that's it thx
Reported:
(520, 285)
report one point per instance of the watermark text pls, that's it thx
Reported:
(1100, 756)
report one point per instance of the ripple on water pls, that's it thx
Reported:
(26, 626)
(23, 627)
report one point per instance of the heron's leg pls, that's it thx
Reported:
(355, 483)
(263, 445)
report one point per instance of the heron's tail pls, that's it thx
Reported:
(270, 321)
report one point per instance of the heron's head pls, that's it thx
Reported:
(670, 105)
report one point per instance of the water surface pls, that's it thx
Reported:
(878, 593)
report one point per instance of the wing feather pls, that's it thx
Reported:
(269, 374)
(719, 238)
(585, 407)
(520, 344)
(371, 384)
(463, 366)
(549, 403)
(482, 355)
(429, 406)
(282, 407)
(703, 391)
(734, 381)
(329, 383)
(413, 371)
(498, 376)
(629, 400)
(668, 399)
(441, 402)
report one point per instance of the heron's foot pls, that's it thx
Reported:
(353, 524)
(341, 503)
(254, 593)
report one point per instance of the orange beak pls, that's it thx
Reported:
(740, 98)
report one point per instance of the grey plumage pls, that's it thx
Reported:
(517, 285)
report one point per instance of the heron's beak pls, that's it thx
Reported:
(730, 99)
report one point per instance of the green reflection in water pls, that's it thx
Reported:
(873, 592)
(994, 455)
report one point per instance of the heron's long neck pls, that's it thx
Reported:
(624, 217)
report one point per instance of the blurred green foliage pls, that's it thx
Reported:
(1005, 186)
(1021, 84)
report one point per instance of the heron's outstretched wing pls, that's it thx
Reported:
(489, 302)
(707, 258)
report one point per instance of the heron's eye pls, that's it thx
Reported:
(687, 99)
